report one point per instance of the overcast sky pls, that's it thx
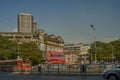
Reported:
(70, 19)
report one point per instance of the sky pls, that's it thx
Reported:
(70, 19)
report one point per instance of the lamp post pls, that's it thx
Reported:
(94, 42)
(69, 58)
(18, 55)
(112, 57)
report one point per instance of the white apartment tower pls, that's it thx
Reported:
(25, 23)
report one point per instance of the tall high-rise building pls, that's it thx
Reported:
(25, 22)
(34, 28)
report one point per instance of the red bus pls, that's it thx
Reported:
(15, 65)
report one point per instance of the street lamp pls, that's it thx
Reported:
(94, 42)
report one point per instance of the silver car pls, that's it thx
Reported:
(112, 73)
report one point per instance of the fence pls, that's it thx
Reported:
(61, 69)
(72, 69)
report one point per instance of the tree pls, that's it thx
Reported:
(9, 50)
(104, 50)
(6, 48)
(30, 51)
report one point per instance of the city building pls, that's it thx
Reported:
(48, 44)
(54, 49)
(25, 22)
(84, 55)
(34, 27)
(76, 53)
(71, 52)
(28, 32)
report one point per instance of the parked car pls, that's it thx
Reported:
(112, 73)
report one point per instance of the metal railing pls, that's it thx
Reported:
(72, 69)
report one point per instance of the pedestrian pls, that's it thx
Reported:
(39, 69)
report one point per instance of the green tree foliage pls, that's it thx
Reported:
(30, 51)
(104, 50)
(6, 48)
(116, 48)
(9, 50)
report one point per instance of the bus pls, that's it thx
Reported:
(15, 65)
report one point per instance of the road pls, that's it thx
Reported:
(8, 76)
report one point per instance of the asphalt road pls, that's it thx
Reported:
(8, 76)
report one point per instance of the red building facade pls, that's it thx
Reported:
(55, 57)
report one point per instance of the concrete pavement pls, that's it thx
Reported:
(9, 76)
